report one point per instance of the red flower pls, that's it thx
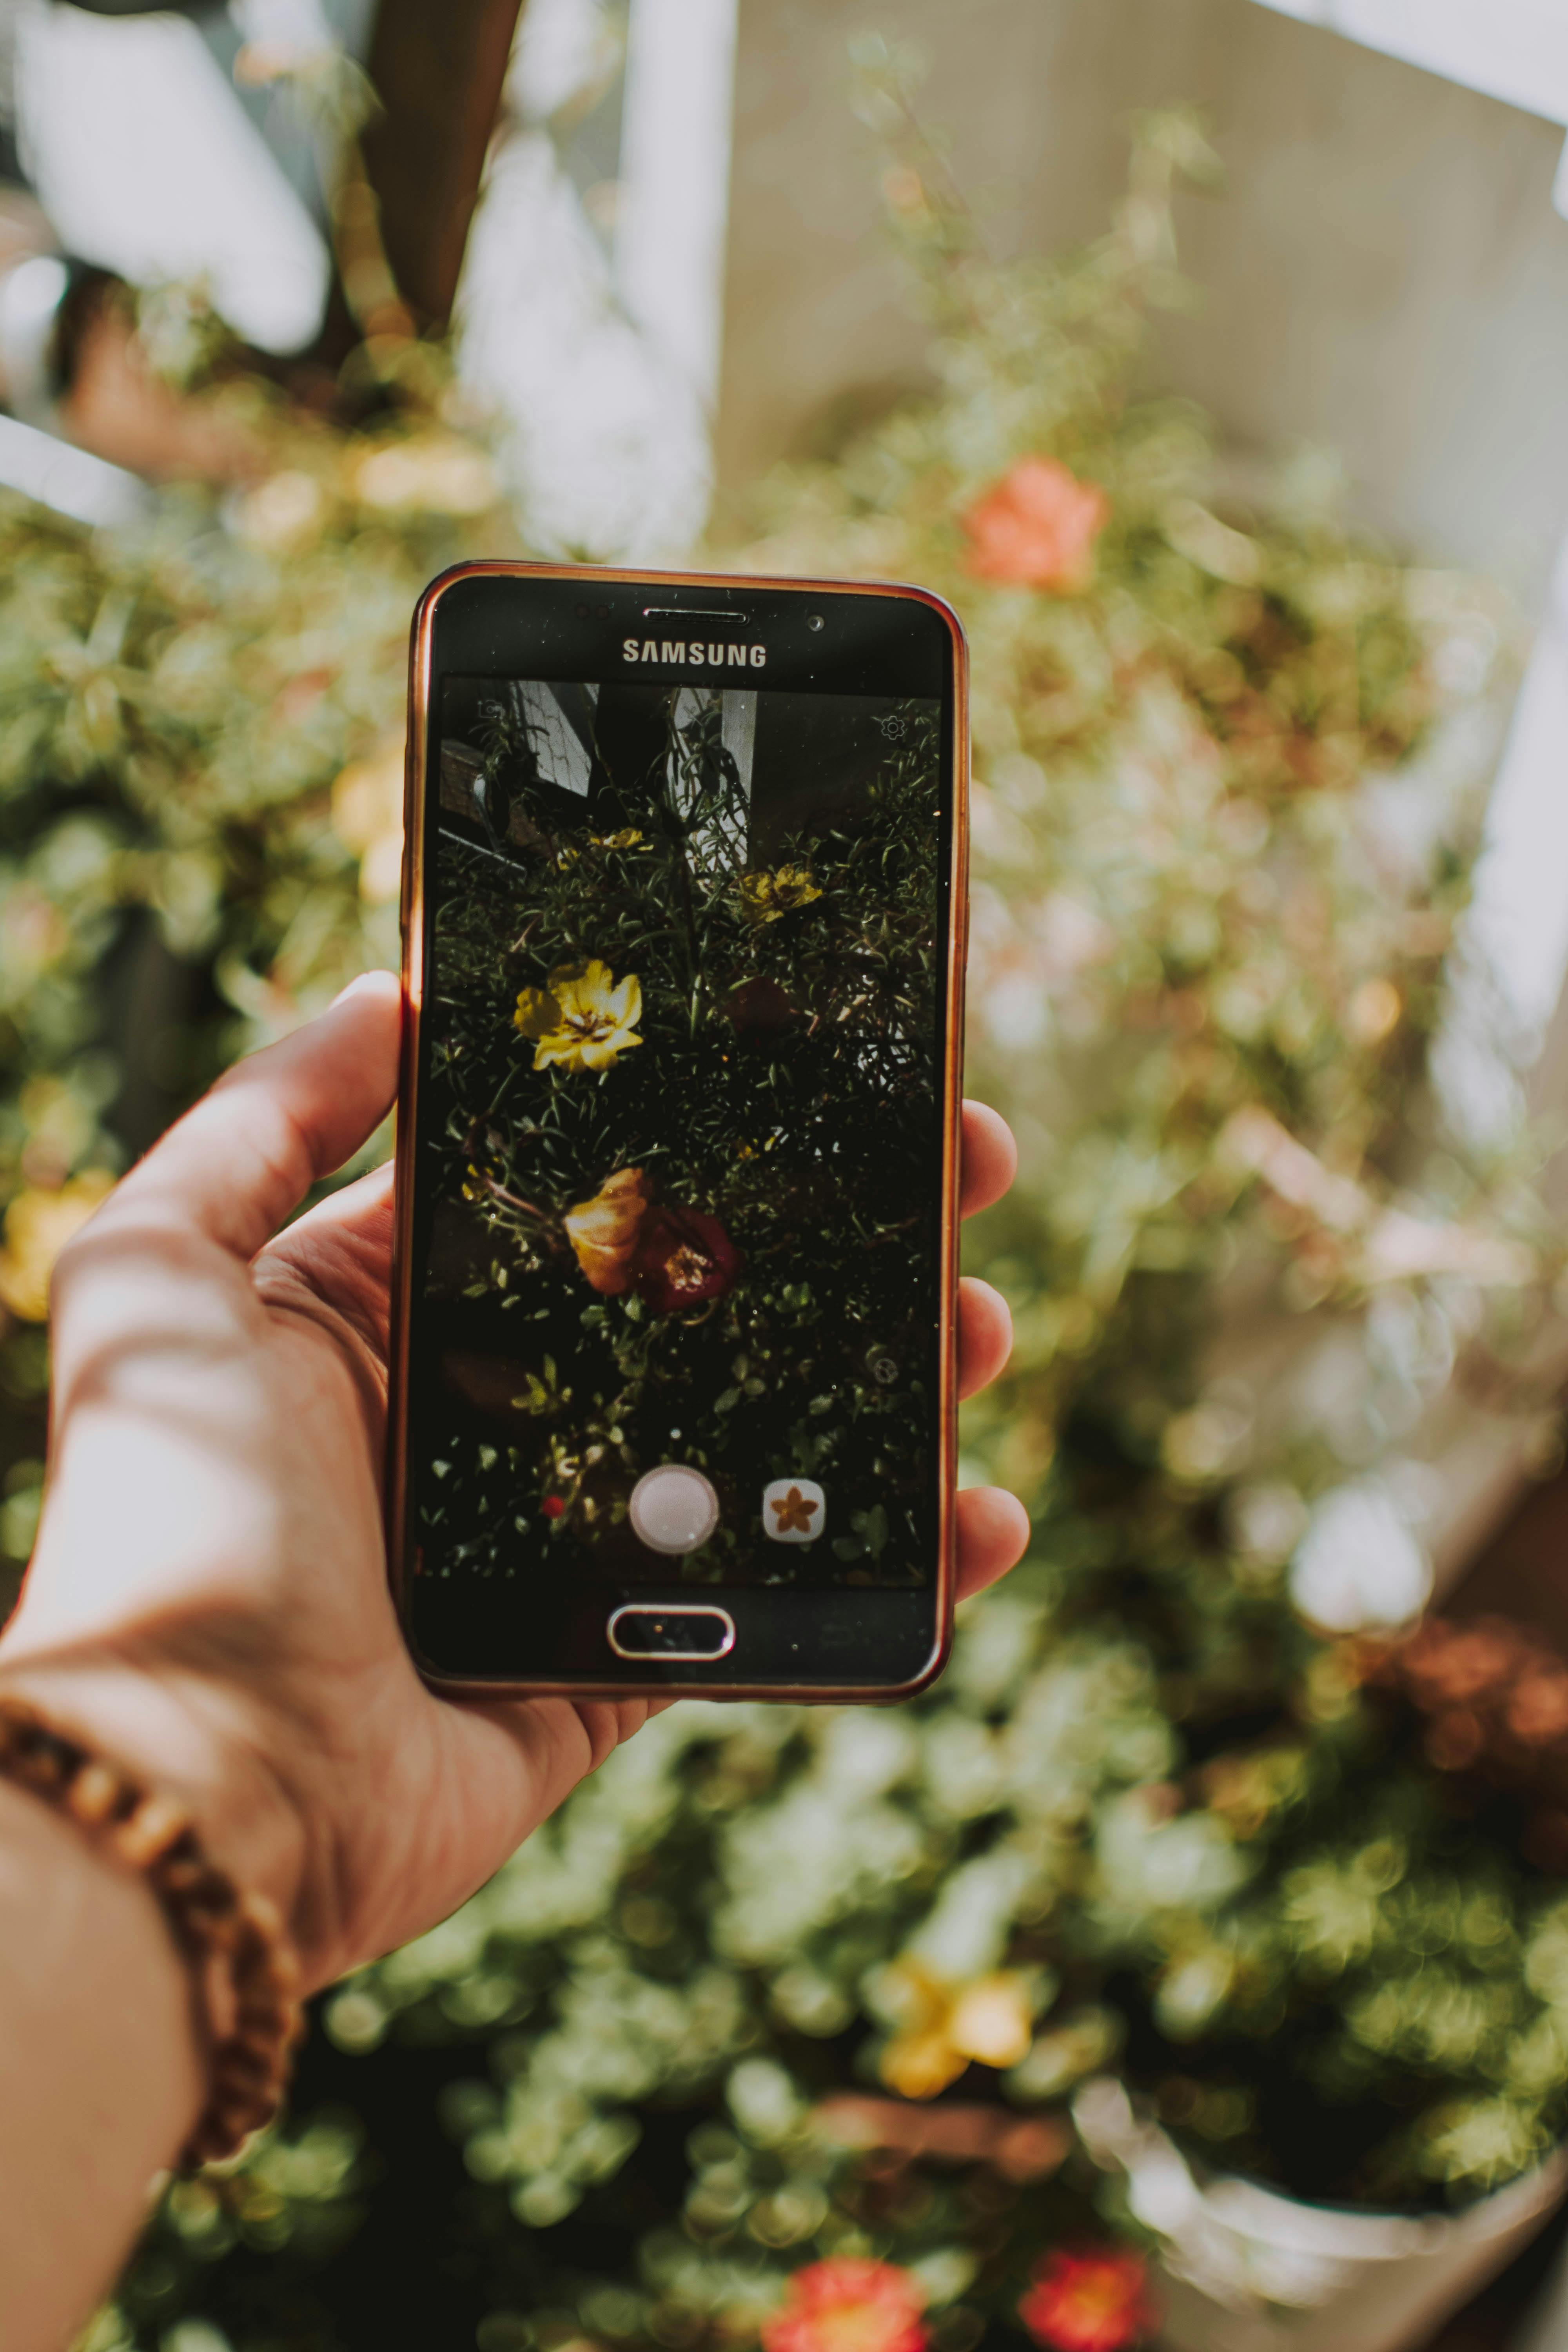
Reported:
(552, 1506)
(761, 1010)
(683, 1256)
(1093, 2302)
(1537, 1712)
(845, 2304)
(1036, 528)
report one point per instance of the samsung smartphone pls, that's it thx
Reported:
(673, 1348)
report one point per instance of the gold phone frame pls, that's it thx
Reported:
(413, 934)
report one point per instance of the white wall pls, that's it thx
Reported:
(1386, 278)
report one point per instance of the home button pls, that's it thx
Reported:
(681, 1634)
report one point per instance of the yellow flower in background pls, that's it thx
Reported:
(367, 817)
(285, 512)
(944, 2026)
(630, 839)
(1374, 1012)
(765, 896)
(430, 473)
(33, 932)
(582, 1018)
(38, 1224)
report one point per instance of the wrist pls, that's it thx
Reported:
(101, 2065)
(192, 1739)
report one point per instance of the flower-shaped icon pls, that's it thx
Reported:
(795, 1510)
(582, 1018)
(765, 896)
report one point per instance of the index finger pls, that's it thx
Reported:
(990, 1159)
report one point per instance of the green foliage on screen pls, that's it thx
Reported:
(625, 1011)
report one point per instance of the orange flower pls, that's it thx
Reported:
(1537, 1714)
(604, 1231)
(848, 2305)
(1093, 2302)
(1036, 528)
(1447, 1664)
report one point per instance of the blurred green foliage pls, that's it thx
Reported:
(701, 2029)
(200, 798)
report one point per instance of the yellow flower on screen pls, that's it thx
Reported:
(582, 1018)
(765, 896)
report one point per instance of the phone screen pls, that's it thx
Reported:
(674, 1314)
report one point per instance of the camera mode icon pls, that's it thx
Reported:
(795, 1510)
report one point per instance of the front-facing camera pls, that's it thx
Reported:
(814, 620)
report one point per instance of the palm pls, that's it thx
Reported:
(430, 1796)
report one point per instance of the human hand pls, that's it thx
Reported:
(208, 1599)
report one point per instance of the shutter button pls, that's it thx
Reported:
(673, 1508)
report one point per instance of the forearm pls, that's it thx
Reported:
(101, 2072)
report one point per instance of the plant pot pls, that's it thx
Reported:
(1245, 2269)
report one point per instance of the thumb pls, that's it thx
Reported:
(247, 1153)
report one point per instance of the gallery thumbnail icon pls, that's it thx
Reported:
(795, 1510)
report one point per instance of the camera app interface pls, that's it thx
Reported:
(680, 1133)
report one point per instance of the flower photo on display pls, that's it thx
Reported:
(680, 1130)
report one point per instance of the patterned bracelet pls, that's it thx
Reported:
(246, 1975)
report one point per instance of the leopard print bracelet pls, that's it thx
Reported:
(246, 1975)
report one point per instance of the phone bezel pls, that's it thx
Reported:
(811, 1688)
